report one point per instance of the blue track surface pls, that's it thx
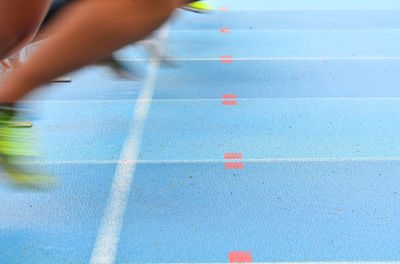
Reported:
(317, 122)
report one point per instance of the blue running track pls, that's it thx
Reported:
(288, 151)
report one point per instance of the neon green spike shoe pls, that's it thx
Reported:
(16, 150)
(198, 7)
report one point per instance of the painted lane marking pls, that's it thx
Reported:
(233, 155)
(240, 257)
(297, 262)
(261, 9)
(229, 96)
(226, 59)
(233, 165)
(105, 248)
(345, 58)
(215, 161)
(224, 30)
(229, 99)
(230, 103)
(233, 160)
(214, 99)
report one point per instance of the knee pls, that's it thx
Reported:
(12, 37)
(8, 40)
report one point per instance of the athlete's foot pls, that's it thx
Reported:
(156, 48)
(17, 152)
(120, 68)
(198, 7)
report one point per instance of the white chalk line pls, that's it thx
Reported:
(216, 161)
(105, 248)
(245, 29)
(190, 100)
(300, 262)
(345, 58)
(289, 8)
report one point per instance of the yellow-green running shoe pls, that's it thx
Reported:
(198, 7)
(17, 150)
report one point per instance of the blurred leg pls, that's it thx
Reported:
(19, 22)
(88, 31)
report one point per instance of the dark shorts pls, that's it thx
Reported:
(55, 7)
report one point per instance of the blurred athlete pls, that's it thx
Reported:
(80, 32)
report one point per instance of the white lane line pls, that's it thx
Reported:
(191, 100)
(346, 58)
(319, 262)
(377, 8)
(105, 248)
(313, 30)
(205, 161)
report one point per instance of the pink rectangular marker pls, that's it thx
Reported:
(224, 30)
(233, 165)
(226, 59)
(240, 257)
(229, 96)
(229, 103)
(233, 155)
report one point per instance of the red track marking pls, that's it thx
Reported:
(233, 165)
(229, 96)
(223, 9)
(224, 30)
(233, 155)
(240, 257)
(229, 99)
(226, 59)
(229, 103)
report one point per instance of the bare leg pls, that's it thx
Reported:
(19, 22)
(88, 31)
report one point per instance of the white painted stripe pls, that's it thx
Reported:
(319, 262)
(382, 58)
(190, 100)
(377, 8)
(105, 248)
(205, 161)
(313, 30)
